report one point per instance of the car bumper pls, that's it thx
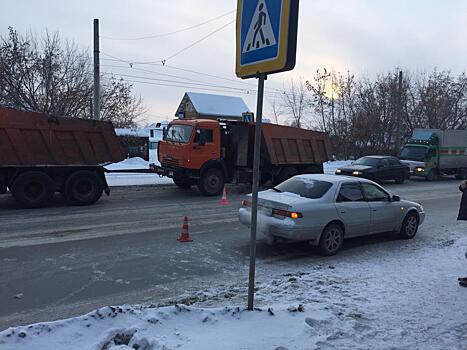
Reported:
(269, 226)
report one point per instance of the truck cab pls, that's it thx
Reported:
(421, 154)
(189, 147)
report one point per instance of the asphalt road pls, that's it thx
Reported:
(63, 261)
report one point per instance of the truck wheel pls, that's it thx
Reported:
(286, 174)
(211, 182)
(182, 182)
(33, 189)
(432, 175)
(83, 188)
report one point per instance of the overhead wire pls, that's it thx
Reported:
(170, 33)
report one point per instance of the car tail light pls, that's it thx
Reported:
(287, 214)
(246, 203)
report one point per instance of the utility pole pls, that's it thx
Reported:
(399, 115)
(97, 85)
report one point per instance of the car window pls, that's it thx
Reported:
(374, 193)
(368, 161)
(394, 162)
(304, 187)
(384, 162)
(350, 192)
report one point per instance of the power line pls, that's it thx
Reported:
(174, 81)
(170, 33)
(198, 41)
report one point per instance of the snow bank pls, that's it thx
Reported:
(406, 299)
(330, 167)
(131, 179)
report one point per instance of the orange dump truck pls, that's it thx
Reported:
(210, 153)
(42, 154)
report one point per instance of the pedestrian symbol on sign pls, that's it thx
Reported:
(260, 33)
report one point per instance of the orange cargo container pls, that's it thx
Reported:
(41, 155)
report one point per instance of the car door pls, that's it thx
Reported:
(384, 170)
(384, 212)
(353, 210)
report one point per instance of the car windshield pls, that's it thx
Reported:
(178, 133)
(308, 188)
(413, 153)
(367, 161)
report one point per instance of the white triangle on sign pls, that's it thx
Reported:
(260, 33)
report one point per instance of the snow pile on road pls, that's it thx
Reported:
(407, 299)
(331, 166)
(132, 179)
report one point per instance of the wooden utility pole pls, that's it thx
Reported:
(97, 85)
(399, 115)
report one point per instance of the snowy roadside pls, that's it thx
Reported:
(130, 179)
(407, 299)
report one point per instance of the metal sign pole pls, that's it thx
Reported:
(254, 204)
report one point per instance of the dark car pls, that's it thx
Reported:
(377, 168)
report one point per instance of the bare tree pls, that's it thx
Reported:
(295, 102)
(44, 75)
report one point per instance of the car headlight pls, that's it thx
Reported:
(420, 170)
(338, 171)
(357, 173)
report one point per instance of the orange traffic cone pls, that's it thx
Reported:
(185, 236)
(224, 200)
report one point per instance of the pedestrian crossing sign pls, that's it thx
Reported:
(266, 36)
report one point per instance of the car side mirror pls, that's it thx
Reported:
(396, 198)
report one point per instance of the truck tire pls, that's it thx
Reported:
(211, 182)
(33, 189)
(432, 175)
(285, 174)
(182, 182)
(83, 188)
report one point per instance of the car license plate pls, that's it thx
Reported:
(265, 211)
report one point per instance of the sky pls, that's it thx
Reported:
(365, 37)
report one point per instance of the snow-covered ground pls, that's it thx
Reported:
(134, 179)
(406, 299)
(130, 179)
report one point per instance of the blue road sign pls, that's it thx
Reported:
(266, 36)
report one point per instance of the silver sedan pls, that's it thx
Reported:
(325, 209)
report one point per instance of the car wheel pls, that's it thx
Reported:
(33, 189)
(212, 182)
(409, 226)
(83, 188)
(400, 179)
(331, 239)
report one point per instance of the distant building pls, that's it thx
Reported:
(135, 142)
(196, 105)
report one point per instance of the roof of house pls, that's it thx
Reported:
(215, 105)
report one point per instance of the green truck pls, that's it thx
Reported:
(430, 153)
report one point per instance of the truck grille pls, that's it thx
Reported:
(170, 161)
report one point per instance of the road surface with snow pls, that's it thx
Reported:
(59, 262)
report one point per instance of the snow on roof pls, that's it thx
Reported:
(215, 105)
(132, 132)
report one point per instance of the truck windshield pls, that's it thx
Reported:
(413, 153)
(178, 133)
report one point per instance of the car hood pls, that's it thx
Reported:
(413, 163)
(356, 167)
